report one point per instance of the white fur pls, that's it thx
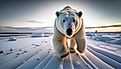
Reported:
(60, 39)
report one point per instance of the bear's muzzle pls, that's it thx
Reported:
(69, 31)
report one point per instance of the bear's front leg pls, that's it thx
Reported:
(80, 41)
(81, 44)
(72, 45)
(60, 46)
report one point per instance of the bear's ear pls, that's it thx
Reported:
(57, 13)
(79, 13)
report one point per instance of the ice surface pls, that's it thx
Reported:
(111, 38)
(37, 53)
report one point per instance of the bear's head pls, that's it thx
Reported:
(68, 21)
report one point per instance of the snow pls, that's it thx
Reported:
(107, 60)
(111, 38)
(12, 38)
(103, 52)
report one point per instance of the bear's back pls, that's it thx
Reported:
(68, 9)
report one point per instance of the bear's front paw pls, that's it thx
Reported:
(81, 49)
(72, 50)
(64, 55)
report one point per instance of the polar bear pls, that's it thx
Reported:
(68, 25)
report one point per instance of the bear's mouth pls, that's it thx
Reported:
(69, 31)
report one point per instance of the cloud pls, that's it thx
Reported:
(35, 21)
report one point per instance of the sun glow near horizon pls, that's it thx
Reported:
(42, 13)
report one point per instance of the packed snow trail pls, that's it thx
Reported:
(41, 55)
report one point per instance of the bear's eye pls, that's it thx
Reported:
(64, 20)
(73, 20)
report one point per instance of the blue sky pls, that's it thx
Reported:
(41, 13)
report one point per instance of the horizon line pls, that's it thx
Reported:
(119, 25)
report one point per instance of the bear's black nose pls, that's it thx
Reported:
(69, 31)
